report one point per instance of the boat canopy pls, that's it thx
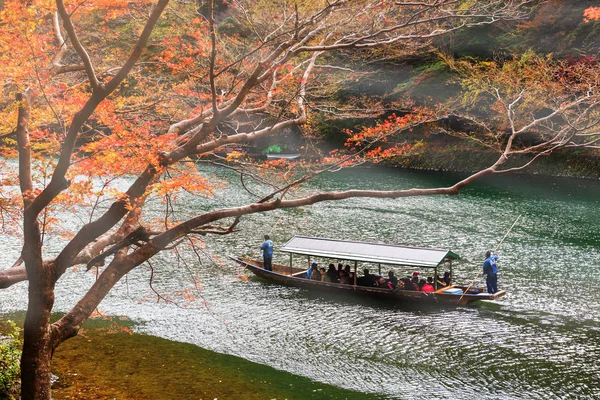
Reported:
(368, 252)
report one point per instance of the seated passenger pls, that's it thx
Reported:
(345, 278)
(415, 283)
(392, 279)
(428, 287)
(384, 283)
(421, 283)
(371, 278)
(366, 280)
(332, 273)
(316, 274)
(324, 276)
(313, 267)
(447, 278)
(411, 284)
(439, 281)
(406, 283)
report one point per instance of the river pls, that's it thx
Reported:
(540, 341)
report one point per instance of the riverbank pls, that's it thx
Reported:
(112, 363)
(446, 153)
(450, 154)
(108, 361)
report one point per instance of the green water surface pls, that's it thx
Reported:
(540, 341)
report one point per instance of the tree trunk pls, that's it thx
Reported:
(37, 344)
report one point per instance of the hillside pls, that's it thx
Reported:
(556, 29)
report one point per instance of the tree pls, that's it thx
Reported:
(108, 99)
(529, 106)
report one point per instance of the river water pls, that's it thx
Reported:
(540, 341)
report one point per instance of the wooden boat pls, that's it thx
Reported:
(277, 156)
(373, 253)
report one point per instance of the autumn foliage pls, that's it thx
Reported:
(591, 14)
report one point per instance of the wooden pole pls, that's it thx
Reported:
(512, 226)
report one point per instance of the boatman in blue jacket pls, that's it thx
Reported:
(267, 249)
(490, 269)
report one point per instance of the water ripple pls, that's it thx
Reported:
(541, 341)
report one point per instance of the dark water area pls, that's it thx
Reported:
(541, 341)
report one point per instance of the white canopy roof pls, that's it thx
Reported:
(368, 252)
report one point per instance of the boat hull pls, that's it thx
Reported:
(279, 156)
(297, 277)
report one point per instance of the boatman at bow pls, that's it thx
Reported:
(267, 249)
(490, 269)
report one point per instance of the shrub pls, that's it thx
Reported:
(10, 355)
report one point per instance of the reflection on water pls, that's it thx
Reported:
(540, 341)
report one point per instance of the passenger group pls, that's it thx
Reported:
(344, 275)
